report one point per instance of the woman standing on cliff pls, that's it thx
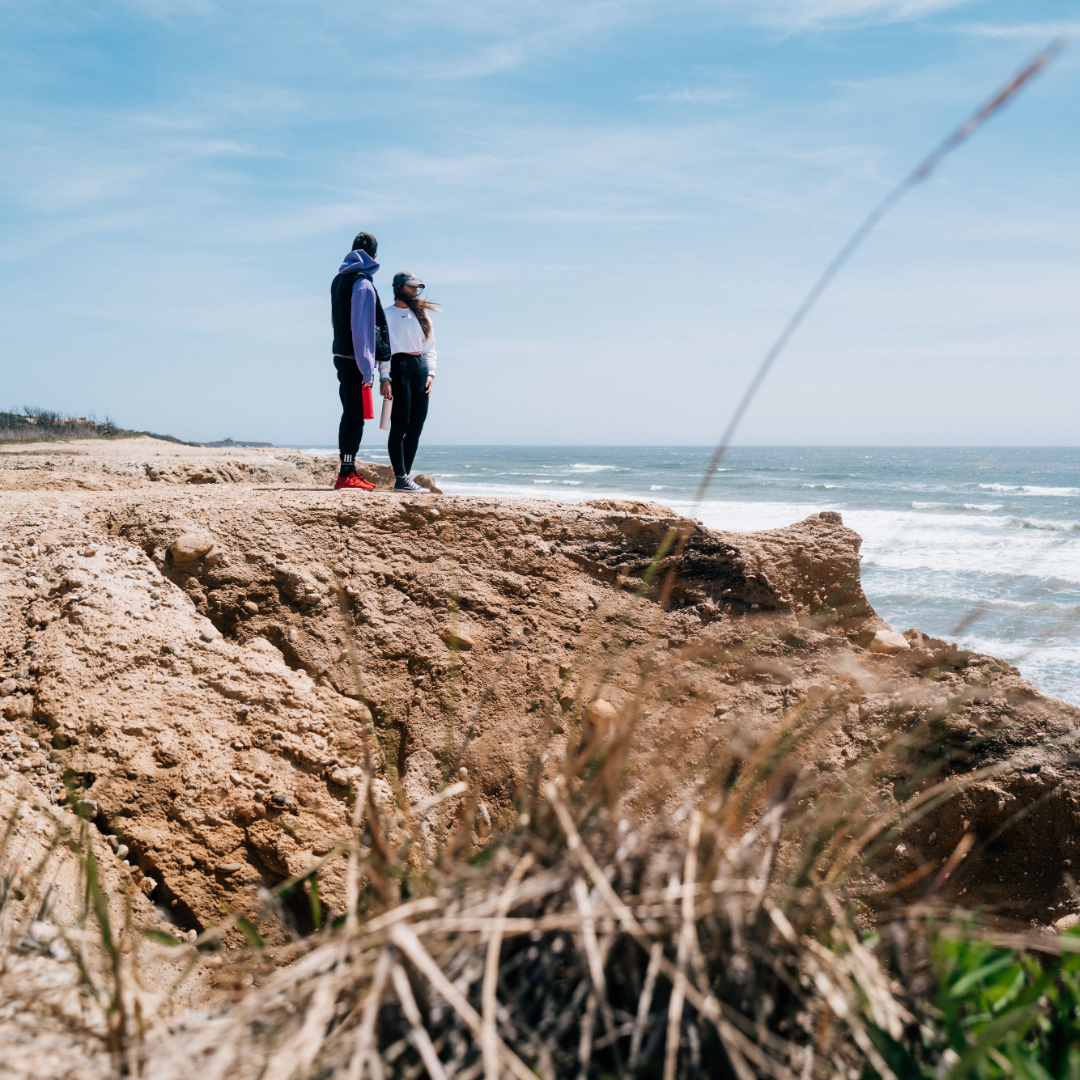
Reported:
(411, 373)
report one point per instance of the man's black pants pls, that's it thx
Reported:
(408, 375)
(351, 428)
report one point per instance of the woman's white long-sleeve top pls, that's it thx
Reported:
(407, 336)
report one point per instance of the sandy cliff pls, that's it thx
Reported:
(177, 626)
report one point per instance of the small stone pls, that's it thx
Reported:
(251, 607)
(89, 552)
(455, 639)
(463, 772)
(113, 842)
(148, 885)
(209, 634)
(87, 808)
(889, 643)
(236, 778)
(122, 851)
(291, 636)
(601, 713)
(229, 867)
(190, 548)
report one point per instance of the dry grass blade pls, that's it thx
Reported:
(410, 945)
(364, 1053)
(656, 953)
(418, 1033)
(488, 1038)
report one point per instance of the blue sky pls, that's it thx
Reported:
(618, 204)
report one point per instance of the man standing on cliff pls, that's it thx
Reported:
(360, 340)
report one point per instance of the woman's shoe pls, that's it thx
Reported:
(407, 483)
(354, 480)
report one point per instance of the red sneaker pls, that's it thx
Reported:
(354, 480)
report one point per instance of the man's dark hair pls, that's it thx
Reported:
(364, 241)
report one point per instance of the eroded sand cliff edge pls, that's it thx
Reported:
(177, 626)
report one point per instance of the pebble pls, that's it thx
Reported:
(87, 808)
(251, 607)
(229, 867)
(291, 635)
(455, 639)
(190, 548)
(889, 643)
(236, 778)
(600, 712)
(122, 851)
(209, 634)
(89, 552)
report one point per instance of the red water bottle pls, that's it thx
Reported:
(369, 407)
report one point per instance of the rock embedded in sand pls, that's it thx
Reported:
(190, 548)
(602, 714)
(889, 643)
(456, 639)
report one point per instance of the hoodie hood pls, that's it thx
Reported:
(358, 260)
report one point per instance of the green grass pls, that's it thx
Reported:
(993, 1012)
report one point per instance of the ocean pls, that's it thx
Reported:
(979, 546)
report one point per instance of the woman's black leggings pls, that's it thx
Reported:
(408, 374)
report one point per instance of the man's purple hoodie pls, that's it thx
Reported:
(353, 304)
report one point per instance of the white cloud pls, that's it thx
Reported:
(809, 14)
(692, 95)
(1039, 31)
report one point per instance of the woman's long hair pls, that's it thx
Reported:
(418, 307)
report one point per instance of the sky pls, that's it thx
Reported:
(618, 205)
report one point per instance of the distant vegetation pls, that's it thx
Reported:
(44, 425)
